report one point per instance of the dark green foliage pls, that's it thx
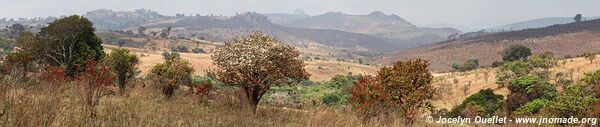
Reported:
(170, 55)
(332, 99)
(527, 88)
(497, 63)
(575, 101)
(470, 64)
(516, 52)
(486, 99)
(343, 81)
(69, 42)
(532, 107)
(198, 50)
(181, 48)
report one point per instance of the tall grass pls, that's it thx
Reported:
(33, 103)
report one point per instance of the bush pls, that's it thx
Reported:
(527, 88)
(532, 107)
(516, 52)
(470, 64)
(331, 99)
(122, 63)
(95, 79)
(169, 75)
(198, 50)
(395, 88)
(576, 101)
(487, 100)
(170, 56)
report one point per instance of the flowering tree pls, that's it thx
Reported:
(257, 62)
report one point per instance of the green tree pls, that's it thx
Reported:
(170, 55)
(122, 63)
(515, 52)
(470, 64)
(171, 74)
(68, 42)
(486, 99)
(575, 101)
(527, 88)
(257, 62)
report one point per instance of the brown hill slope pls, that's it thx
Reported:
(568, 39)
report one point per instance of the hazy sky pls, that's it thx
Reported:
(473, 13)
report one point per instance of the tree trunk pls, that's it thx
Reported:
(122, 82)
(253, 96)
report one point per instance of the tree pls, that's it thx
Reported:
(198, 50)
(122, 63)
(95, 81)
(485, 99)
(590, 56)
(170, 75)
(470, 64)
(577, 18)
(15, 30)
(69, 42)
(170, 55)
(528, 88)
(17, 62)
(141, 30)
(405, 86)
(515, 52)
(257, 62)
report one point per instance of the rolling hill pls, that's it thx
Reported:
(537, 23)
(391, 28)
(571, 39)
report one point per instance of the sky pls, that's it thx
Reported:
(464, 13)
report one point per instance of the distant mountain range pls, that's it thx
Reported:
(537, 23)
(391, 28)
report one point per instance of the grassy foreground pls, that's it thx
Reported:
(32, 103)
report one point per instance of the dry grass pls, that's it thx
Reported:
(453, 93)
(442, 55)
(320, 70)
(38, 104)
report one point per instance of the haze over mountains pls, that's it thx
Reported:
(391, 28)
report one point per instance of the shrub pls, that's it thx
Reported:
(123, 63)
(575, 101)
(332, 99)
(170, 55)
(198, 50)
(405, 86)
(486, 101)
(169, 75)
(470, 64)
(527, 88)
(257, 62)
(532, 107)
(95, 81)
(515, 52)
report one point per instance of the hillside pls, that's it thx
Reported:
(452, 85)
(563, 40)
(391, 28)
(537, 23)
(320, 70)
